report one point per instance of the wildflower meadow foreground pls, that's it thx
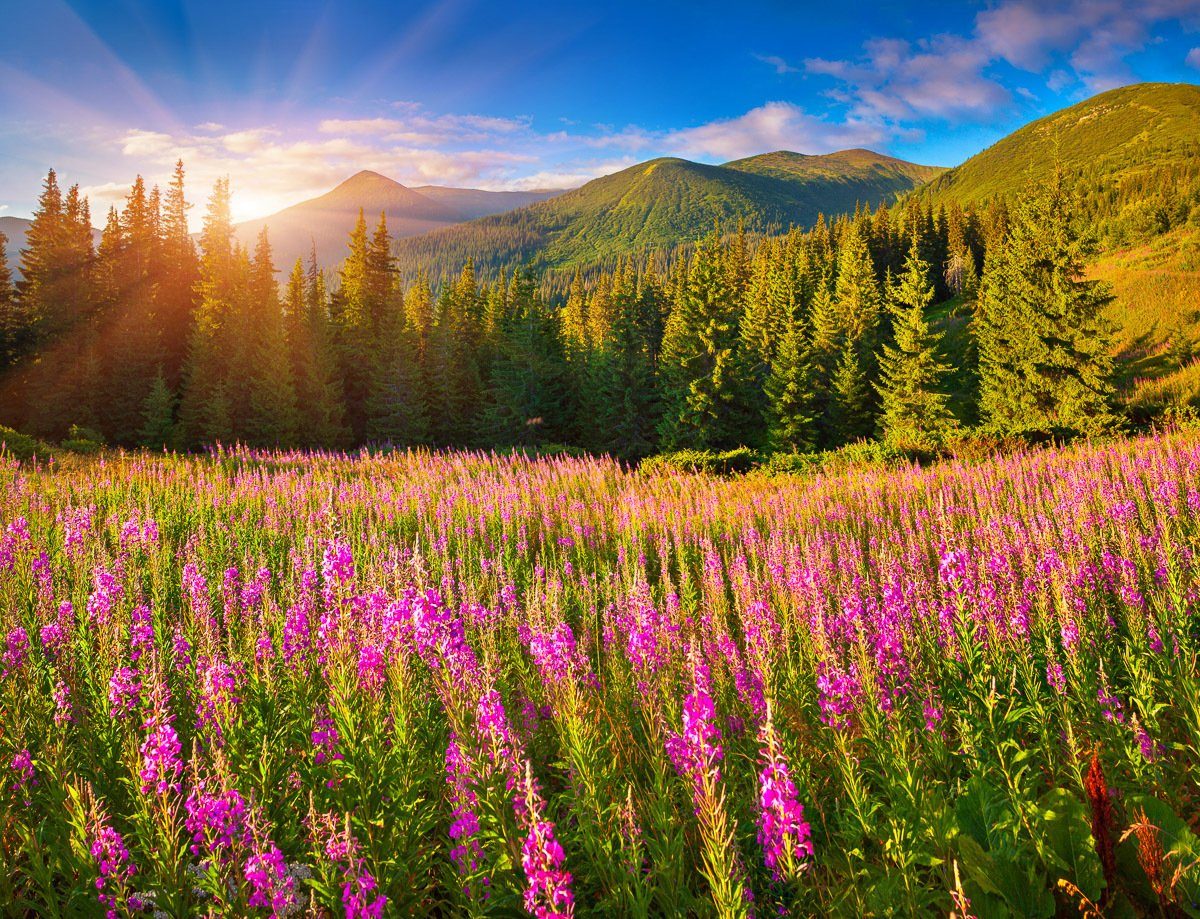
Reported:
(464, 684)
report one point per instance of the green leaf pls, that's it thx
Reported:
(1069, 836)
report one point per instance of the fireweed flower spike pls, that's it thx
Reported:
(548, 894)
(783, 832)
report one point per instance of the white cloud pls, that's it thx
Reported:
(358, 125)
(210, 127)
(779, 64)
(1193, 58)
(774, 126)
(3, 208)
(947, 76)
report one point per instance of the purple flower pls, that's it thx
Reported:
(162, 766)
(839, 692)
(24, 774)
(271, 886)
(141, 631)
(548, 890)
(113, 865)
(783, 832)
(16, 652)
(464, 828)
(325, 739)
(359, 885)
(697, 751)
(124, 692)
(106, 591)
(216, 821)
(62, 704)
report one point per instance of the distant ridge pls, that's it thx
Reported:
(327, 220)
(669, 200)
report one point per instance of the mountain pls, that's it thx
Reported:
(1112, 138)
(327, 220)
(470, 203)
(666, 201)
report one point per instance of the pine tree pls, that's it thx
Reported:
(355, 315)
(12, 327)
(178, 279)
(852, 410)
(272, 418)
(791, 394)
(204, 412)
(455, 346)
(318, 389)
(622, 405)
(1045, 359)
(158, 424)
(914, 409)
(525, 394)
(703, 387)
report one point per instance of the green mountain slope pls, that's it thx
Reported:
(1114, 138)
(667, 201)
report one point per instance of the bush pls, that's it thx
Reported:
(707, 462)
(22, 446)
(81, 445)
(789, 464)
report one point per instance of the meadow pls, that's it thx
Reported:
(466, 684)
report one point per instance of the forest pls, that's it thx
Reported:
(789, 343)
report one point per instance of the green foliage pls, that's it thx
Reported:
(914, 407)
(22, 446)
(707, 462)
(1044, 352)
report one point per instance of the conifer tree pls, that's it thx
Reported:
(525, 392)
(621, 411)
(204, 412)
(272, 414)
(178, 278)
(158, 423)
(458, 385)
(852, 409)
(791, 394)
(1045, 361)
(12, 327)
(703, 387)
(914, 409)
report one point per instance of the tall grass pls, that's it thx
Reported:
(463, 684)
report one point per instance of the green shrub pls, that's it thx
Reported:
(81, 445)
(22, 446)
(789, 464)
(707, 462)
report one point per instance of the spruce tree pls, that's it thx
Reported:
(11, 324)
(703, 387)
(914, 409)
(158, 416)
(273, 417)
(1045, 360)
(622, 407)
(791, 394)
(204, 412)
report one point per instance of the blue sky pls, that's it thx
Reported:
(288, 98)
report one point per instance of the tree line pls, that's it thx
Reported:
(796, 342)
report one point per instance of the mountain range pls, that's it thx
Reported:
(664, 201)
(1115, 138)
(326, 221)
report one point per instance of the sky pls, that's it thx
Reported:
(289, 98)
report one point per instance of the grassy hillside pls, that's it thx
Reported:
(1134, 152)
(666, 201)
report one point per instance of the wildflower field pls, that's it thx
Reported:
(463, 684)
